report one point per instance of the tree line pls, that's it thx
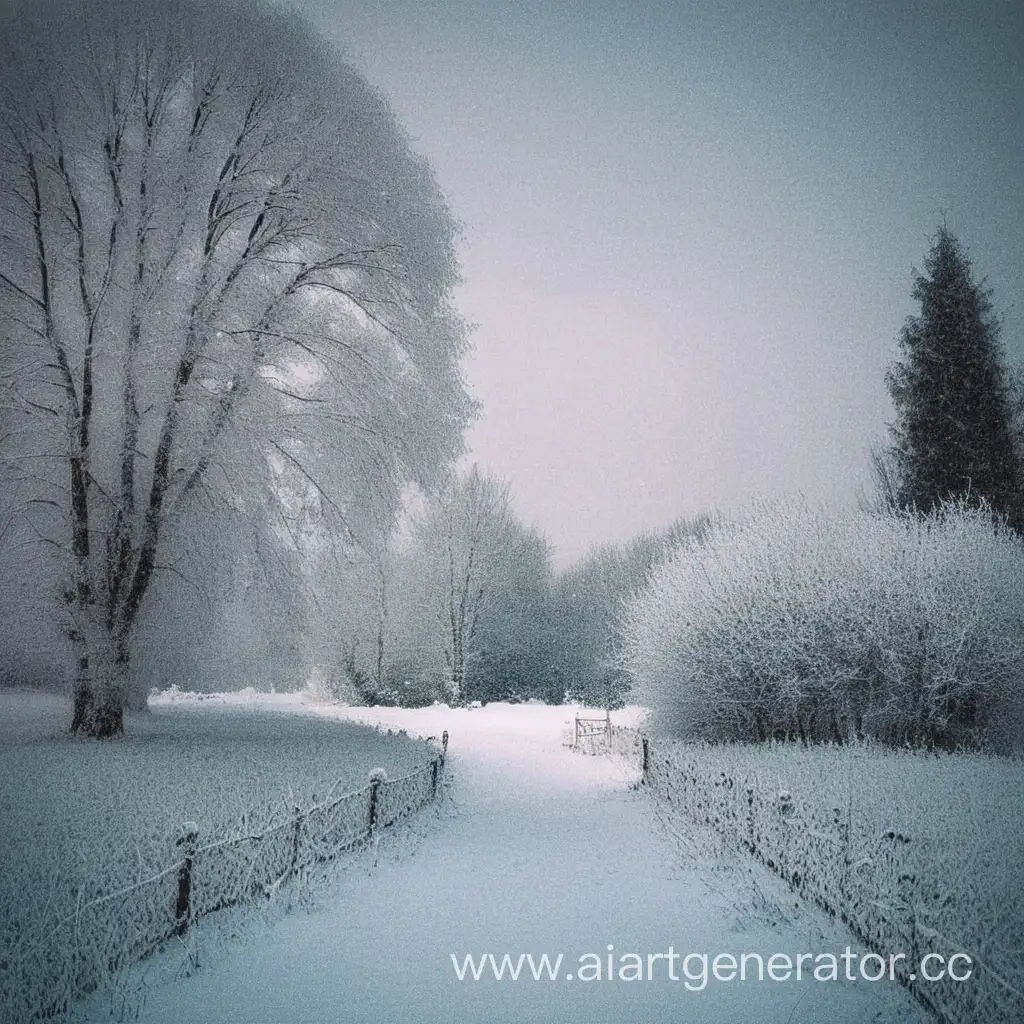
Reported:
(466, 606)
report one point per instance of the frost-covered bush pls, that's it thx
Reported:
(793, 621)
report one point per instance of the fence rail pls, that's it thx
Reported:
(829, 858)
(41, 977)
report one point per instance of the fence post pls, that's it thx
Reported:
(188, 841)
(377, 776)
(751, 842)
(647, 759)
(435, 772)
(908, 892)
(842, 828)
(576, 734)
(296, 837)
(444, 745)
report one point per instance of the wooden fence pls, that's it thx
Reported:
(870, 882)
(42, 976)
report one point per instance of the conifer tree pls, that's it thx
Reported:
(953, 435)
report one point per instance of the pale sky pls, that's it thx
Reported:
(690, 227)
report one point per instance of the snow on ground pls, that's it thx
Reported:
(193, 758)
(539, 850)
(82, 818)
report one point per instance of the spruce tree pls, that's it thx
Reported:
(954, 432)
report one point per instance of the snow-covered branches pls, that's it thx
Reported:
(470, 610)
(590, 597)
(799, 622)
(223, 277)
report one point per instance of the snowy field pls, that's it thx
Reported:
(91, 811)
(535, 849)
(83, 818)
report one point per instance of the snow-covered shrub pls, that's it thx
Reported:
(794, 621)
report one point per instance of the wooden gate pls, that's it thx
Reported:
(593, 730)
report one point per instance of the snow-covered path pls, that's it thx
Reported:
(538, 850)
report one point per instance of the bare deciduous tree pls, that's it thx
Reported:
(223, 279)
(470, 598)
(470, 523)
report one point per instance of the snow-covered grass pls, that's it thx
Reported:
(83, 819)
(906, 847)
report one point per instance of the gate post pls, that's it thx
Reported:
(188, 840)
(377, 776)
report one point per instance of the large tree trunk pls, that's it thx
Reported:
(100, 684)
(98, 714)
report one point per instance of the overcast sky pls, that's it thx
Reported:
(690, 227)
